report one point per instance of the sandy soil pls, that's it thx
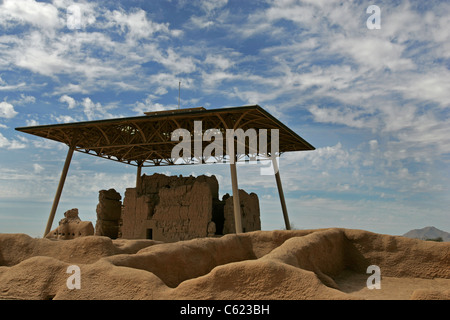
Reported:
(392, 288)
(324, 264)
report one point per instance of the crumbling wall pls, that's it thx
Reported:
(137, 210)
(170, 208)
(183, 213)
(109, 211)
(71, 227)
(174, 208)
(250, 213)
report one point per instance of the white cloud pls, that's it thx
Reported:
(373, 53)
(3, 141)
(31, 122)
(36, 53)
(37, 168)
(71, 103)
(63, 118)
(219, 61)
(11, 87)
(38, 14)
(214, 13)
(136, 24)
(175, 62)
(213, 79)
(211, 5)
(95, 111)
(148, 105)
(373, 145)
(355, 118)
(81, 54)
(24, 99)
(201, 22)
(10, 144)
(432, 85)
(7, 110)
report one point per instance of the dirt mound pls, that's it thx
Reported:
(302, 264)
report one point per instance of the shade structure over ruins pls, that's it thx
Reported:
(148, 140)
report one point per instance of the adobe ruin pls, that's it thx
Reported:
(175, 208)
(109, 213)
(71, 227)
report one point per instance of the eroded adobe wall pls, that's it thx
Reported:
(109, 211)
(135, 212)
(71, 227)
(250, 213)
(184, 213)
(174, 208)
(169, 208)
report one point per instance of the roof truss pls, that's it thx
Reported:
(146, 140)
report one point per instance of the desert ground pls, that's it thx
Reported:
(322, 264)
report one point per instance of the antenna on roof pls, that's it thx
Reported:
(179, 93)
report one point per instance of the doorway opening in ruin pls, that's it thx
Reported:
(149, 234)
(218, 216)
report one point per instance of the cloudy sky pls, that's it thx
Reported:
(374, 102)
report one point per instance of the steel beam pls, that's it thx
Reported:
(281, 193)
(59, 190)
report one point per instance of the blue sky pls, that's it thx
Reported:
(375, 103)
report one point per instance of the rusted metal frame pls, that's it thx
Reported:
(59, 191)
(148, 154)
(159, 155)
(225, 125)
(116, 136)
(140, 131)
(155, 132)
(48, 133)
(119, 132)
(281, 193)
(176, 123)
(245, 124)
(64, 134)
(128, 145)
(236, 124)
(125, 155)
(103, 133)
(87, 137)
(128, 138)
(104, 156)
(61, 183)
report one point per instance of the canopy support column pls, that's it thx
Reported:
(59, 190)
(138, 177)
(236, 200)
(281, 193)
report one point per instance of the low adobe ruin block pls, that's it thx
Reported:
(109, 211)
(249, 213)
(71, 227)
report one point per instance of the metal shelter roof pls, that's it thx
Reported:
(146, 140)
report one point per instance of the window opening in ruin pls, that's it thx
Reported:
(149, 235)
